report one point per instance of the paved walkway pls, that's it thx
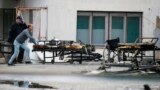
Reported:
(65, 76)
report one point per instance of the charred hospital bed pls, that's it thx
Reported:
(76, 52)
(139, 55)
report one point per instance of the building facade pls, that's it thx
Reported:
(94, 21)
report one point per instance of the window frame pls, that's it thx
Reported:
(140, 21)
(124, 25)
(106, 26)
(108, 22)
(85, 14)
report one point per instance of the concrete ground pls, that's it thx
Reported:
(85, 76)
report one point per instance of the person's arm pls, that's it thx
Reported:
(33, 40)
(11, 33)
(30, 37)
(24, 25)
(9, 36)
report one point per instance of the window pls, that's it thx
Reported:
(98, 30)
(133, 28)
(91, 28)
(117, 29)
(83, 29)
(96, 27)
(126, 26)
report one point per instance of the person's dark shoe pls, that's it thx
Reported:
(28, 62)
(11, 64)
(14, 62)
(20, 62)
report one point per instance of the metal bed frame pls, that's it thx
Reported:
(58, 50)
(133, 52)
(2, 50)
